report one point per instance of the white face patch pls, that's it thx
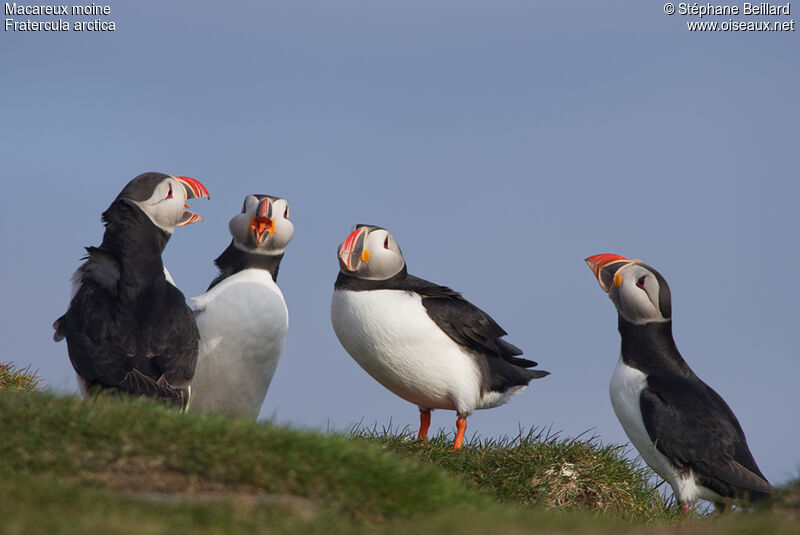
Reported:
(275, 241)
(165, 207)
(385, 258)
(376, 257)
(637, 295)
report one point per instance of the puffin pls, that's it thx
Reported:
(422, 341)
(128, 328)
(681, 427)
(242, 318)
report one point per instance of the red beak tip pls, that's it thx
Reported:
(604, 259)
(195, 185)
(599, 261)
(347, 246)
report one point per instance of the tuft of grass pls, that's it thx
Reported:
(14, 378)
(787, 501)
(538, 468)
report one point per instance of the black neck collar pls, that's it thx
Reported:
(233, 260)
(134, 240)
(651, 348)
(347, 282)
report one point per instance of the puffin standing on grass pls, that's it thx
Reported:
(242, 317)
(422, 341)
(128, 329)
(681, 427)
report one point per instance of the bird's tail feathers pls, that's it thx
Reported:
(537, 374)
(751, 485)
(138, 384)
(59, 334)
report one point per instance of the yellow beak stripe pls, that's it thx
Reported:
(618, 274)
(365, 255)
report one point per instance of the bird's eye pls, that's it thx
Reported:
(640, 282)
(286, 212)
(169, 193)
(386, 242)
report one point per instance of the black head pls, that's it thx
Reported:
(163, 198)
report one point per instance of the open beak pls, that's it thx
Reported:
(262, 225)
(352, 252)
(193, 188)
(605, 267)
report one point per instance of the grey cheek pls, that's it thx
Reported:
(652, 295)
(618, 302)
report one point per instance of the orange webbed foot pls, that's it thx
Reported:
(461, 427)
(424, 424)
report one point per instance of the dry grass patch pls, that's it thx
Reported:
(13, 378)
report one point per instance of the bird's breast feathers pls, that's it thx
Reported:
(626, 386)
(242, 322)
(391, 336)
(247, 307)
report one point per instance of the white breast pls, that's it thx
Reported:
(626, 385)
(389, 333)
(242, 322)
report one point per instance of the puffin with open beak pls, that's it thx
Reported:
(242, 317)
(681, 427)
(128, 329)
(424, 342)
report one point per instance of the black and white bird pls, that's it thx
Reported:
(242, 317)
(422, 341)
(681, 427)
(127, 327)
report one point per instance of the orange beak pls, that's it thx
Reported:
(604, 266)
(261, 227)
(193, 188)
(350, 249)
(262, 224)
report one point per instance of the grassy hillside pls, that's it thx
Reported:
(72, 466)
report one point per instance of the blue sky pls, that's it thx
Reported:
(501, 143)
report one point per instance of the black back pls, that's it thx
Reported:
(466, 324)
(127, 328)
(233, 260)
(686, 419)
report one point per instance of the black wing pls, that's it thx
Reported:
(474, 329)
(100, 347)
(694, 428)
(117, 346)
(173, 339)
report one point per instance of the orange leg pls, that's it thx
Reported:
(424, 424)
(684, 510)
(461, 427)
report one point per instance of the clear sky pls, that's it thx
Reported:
(500, 142)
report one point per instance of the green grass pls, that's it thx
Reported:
(541, 469)
(107, 440)
(129, 466)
